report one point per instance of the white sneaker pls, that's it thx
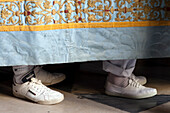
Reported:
(132, 90)
(34, 90)
(140, 79)
(48, 78)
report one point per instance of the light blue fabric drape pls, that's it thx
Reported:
(86, 44)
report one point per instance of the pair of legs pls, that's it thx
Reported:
(120, 82)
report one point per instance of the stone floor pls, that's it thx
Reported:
(85, 94)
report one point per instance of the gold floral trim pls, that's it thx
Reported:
(51, 12)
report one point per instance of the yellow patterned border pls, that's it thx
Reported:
(38, 15)
(47, 12)
(85, 25)
(17, 0)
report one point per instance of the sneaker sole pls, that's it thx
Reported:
(51, 102)
(129, 96)
(39, 102)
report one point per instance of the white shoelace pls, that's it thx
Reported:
(37, 85)
(134, 83)
(36, 81)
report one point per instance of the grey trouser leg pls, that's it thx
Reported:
(20, 73)
(120, 67)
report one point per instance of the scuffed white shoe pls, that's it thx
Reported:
(140, 79)
(34, 90)
(48, 78)
(132, 90)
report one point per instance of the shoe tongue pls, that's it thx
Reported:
(28, 77)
